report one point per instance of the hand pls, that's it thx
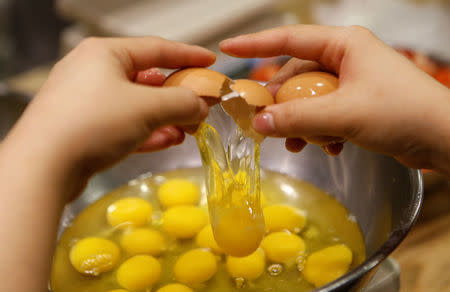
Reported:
(91, 113)
(384, 103)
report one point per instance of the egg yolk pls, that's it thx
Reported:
(139, 272)
(143, 241)
(118, 290)
(195, 266)
(328, 264)
(233, 194)
(238, 232)
(249, 267)
(280, 217)
(282, 246)
(184, 221)
(94, 255)
(129, 211)
(205, 238)
(175, 288)
(175, 192)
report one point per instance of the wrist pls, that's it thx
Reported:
(28, 159)
(438, 136)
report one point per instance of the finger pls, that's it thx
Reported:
(293, 67)
(162, 138)
(295, 145)
(152, 77)
(142, 53)
(323, 44)
(190, 129)
(333, 149)
(168, 106)
(324, 116)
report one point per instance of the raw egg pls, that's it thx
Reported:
(195, 266)
(281, 217)
(205, 238)
(241, 99)
(143, 241)
(94, 255)
(184, 221)
(175, 192)
(139, 272)
(132, 211)
(175, 288)
(249, 267)
(327, 264)
(281, 247)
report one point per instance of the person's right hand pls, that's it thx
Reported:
(384, 103)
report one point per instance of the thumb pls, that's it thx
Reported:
(169, 106)
(320, 116)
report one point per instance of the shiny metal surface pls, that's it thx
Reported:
(384, 196)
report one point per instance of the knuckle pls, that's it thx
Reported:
(188, 99)
(359, 31)
(291, 119)
(92, 43)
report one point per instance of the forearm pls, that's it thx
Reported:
(33, 189)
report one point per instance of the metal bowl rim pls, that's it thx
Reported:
(394, 240)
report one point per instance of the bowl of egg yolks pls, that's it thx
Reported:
(143, 225)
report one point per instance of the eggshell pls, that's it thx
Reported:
(204, 82)
(305, 85)
(253, 92)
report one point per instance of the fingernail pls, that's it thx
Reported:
(333, 149)
(264, 123)
(225, 41)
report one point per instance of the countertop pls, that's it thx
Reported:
(424, 256)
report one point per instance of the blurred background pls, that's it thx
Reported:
(34, 34)
(38, 32)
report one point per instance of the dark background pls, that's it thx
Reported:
(31, 30)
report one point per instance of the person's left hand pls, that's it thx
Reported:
(103, 101)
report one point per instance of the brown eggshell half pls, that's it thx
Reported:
(204, 82)
(306, 85)
(253, 92)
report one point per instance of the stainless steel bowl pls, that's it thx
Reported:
(384, 196)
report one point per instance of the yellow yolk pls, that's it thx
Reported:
(94, 255)
(175, 288)
(205, 238)
(327, 264)
(263, 200)
(139, 272)
(175, 192)
(118, 290)
(131, 211)
(280, 217)
(233, 192)
(195, 266)
(184, 221)
(143, 241)
(249, 267)
(238, 231)
(282, 246)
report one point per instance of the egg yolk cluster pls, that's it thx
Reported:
(135, 257)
